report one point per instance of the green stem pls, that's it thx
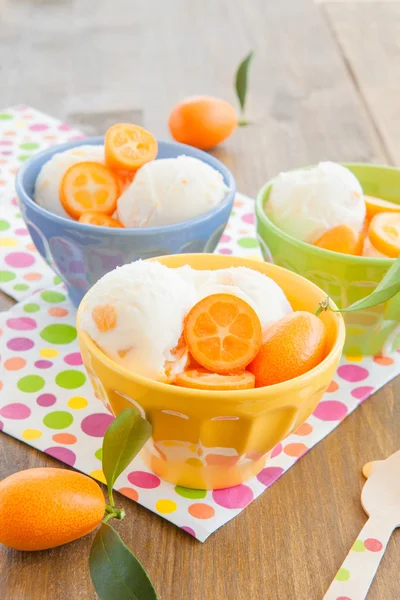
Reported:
(116, 513)
(243, 122)
(110, 496)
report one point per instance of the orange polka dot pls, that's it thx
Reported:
(1, 385)
(295, 449)
(238, 203)
(10, 133)
(333, 386)
(31, 247)
(2, 161)
(49, 137)
(130, 493)
(304, 429)
(13, 364)
(56, 311)
(27, 116)
(201, 511)
(1, 331)
(2, 182)
(384, 361)
(14, 171)
(222, 461)
(33, 276)
(64, 438)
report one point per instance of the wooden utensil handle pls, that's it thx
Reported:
(355, 576)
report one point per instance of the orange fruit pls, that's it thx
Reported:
(202, 121)
(201, 379)
(99, 219)
(44, 508)
(291, 347)
(378, 205)
(341, 239)
(128, 147)
(223, 333)
(89, 186)
(105, 317)
(384, 233)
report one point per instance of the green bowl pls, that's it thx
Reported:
(344, 278)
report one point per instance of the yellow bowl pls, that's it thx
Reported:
(210, 440)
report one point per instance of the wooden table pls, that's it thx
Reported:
(324, 84)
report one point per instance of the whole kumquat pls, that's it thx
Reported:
(342, 239)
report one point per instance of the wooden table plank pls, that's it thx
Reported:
(139, 58)
(369, 36)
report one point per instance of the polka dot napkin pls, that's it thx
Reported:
(47, 401)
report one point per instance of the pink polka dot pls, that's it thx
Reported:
(6, 152)
(189, 530)
(343, 598)
(249, 218)
(76, 137)
(73, 359)
(15, 411)
(14, 201)
(21, 323)
(268, 475)
(46, 400)
(373, 545)
(22, 231)
(39, 127)
(330, 410)
(20, 344)
(352, 373)
(276, 451)
(43, 364)
(147, 481)
(225, 238)
(225, 251)
(64, 127)
(362, 392)
(19, 259)
(64, 454)
(96, 425)
(238, 496)
(5, 143)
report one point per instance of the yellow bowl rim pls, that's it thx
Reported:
(238, 395)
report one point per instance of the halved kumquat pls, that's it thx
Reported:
(99, 219)
(201, 379)
(342, 239)
(384, 233)
(89, 186)
(378, 205)
(129, 147)
(223, 333)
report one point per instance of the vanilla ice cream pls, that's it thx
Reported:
(149, 302)
(49, 179)
(170, 190)
(307, 203)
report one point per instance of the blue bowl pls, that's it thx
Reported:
(80, 254)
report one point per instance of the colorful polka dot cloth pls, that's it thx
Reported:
(46, 398)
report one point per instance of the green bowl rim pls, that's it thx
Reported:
(261, 214)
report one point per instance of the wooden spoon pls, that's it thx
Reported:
(380, 498)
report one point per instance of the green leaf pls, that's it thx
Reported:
(388, 287)
(126, 435)
(116, 573)
(241, 81)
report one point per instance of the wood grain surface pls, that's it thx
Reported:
(93, 62)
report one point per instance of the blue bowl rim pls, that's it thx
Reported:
(261, 213)
(84, 227)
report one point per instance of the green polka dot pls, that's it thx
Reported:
(58, 334)
(99, 453)
(4, 225)
(5, 117)
(70, 379)
(247, 242)
(57, 279)
(29, 146)
(18, 216)
(188, 493)
(233, 213)
(59, 419)
(358, 546)
(23, 157)
(53, 297)
(29, 308)
(342, 575)
(7, 276)
(20, 287)
(31, 383)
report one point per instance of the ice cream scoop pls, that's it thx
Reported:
(48, 181)
(170, 190)
(307, 203)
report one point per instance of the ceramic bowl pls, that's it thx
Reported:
(210, 440)
(80, 254)
(344, 278)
